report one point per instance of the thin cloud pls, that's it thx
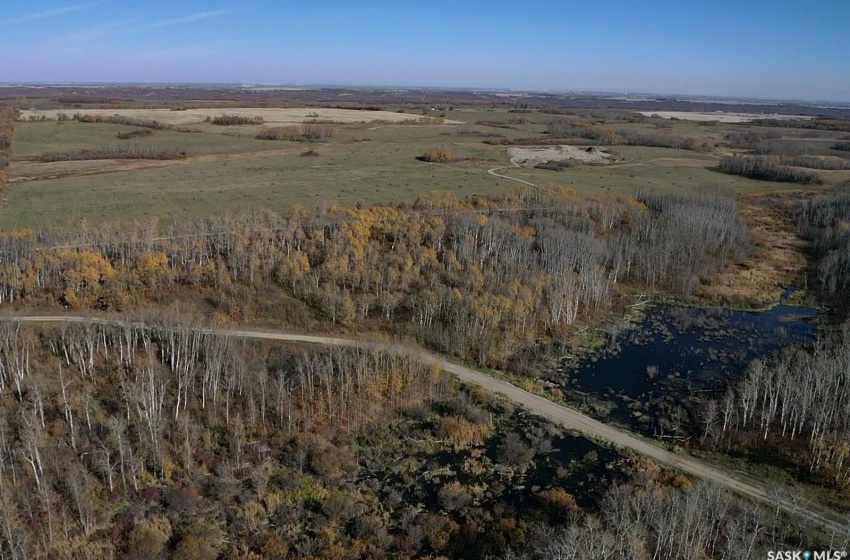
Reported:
(51, 13)
(89, 33)
(203, 48)
(186, 19)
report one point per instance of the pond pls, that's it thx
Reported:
(675, 356)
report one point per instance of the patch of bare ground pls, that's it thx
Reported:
(720, 116)
(778, 260)
(531, 156)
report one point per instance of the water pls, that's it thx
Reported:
(677, 354)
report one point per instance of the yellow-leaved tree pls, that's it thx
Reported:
(84, 274)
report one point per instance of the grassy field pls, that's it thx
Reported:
(254, 173)
(228, 169)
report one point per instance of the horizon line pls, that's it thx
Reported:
(577, 91)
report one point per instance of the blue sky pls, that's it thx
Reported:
(762, 48)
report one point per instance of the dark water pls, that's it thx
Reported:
(679, 353)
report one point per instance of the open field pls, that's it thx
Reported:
(719, 116)
(227, 168)
(196, 116)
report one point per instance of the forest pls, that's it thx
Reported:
(154, 439)
(479, 281)
(795, 402)
(825, 222)
(8, 118)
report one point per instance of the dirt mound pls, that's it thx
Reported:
(529, 157)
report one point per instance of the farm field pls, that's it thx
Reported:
(719, 116)
(195, 116)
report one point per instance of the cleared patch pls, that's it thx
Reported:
(720, 116)
(529, 157)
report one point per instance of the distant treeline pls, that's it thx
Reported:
(122, 151)
(8, 118)
(749, 139)
(611, 137)
(298, 133)
(111, 119)
(231, 120)
(821, 123)
(117, 119)
(135, 133)
(767, 168)
(815, 162)
(505, 123)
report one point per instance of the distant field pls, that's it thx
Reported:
(719, 116)
(227, 168)
(196, 116)
(360, 165)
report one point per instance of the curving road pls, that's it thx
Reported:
(515, 180)
(554, 412)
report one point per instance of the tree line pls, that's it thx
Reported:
(118, 151)
(230, 120)
(798, 399)
(694, 522)
(135, 133)
(767, 168)
(478, 281)
(298, 133)
(823, 221)
(118, 119)
(840, 124)
(8, 119)
(626, 137)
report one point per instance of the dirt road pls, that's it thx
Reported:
(515, 164)
(554, 412)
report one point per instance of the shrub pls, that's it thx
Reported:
(230, 120)
(435, 156)
(841, 146)
(461, 433)
(298, 133)
(557, 165)
(134, 133)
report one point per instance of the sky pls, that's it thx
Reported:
(775, 49)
